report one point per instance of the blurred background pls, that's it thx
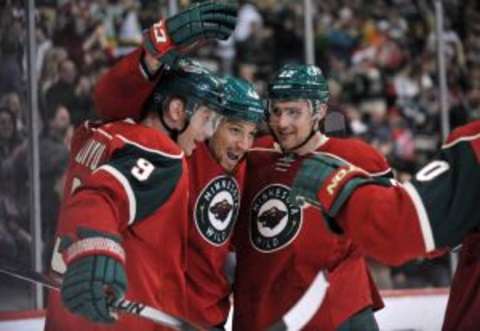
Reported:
(380, 57)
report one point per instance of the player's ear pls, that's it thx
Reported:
(176, 109)
(322, 111)
(319, 114)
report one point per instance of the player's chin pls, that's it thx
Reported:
(227, 166)
(287, 143)
(230, 160)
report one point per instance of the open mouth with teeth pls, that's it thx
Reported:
(231, 159)
(234, 157)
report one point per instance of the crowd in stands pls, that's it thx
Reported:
(379, 56)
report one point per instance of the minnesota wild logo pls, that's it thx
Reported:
(274, 221)
(216, 209)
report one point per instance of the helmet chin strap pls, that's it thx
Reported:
(173, 133)
(305, 141)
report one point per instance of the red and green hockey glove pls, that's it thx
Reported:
(95, 275)
(327, 182)
(201, 22)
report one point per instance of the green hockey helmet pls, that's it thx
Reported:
(193, 83)
(241, 101)
(299, 81)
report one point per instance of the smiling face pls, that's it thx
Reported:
(201, 127)
(232, 139)
(292, 121)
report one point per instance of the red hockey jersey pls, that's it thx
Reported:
(433, 211)
(130, 180)
(214, 207)
(281, 247)
(437, 209)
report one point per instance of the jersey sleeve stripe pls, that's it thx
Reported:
(373, 174)
(129, 120)
(103, 132)
(422, 217)
(459, 140)
(150, 150)
(381, 173)
(132, 203)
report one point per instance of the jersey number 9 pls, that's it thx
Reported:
(142, 170)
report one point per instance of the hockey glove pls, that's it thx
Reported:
(326, 183)
(95, 275)
(202, 21)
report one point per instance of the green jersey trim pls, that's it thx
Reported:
(148, 177)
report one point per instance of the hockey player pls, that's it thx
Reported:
(280, 247)
(124, 217)
(217, 170)
(217, 175)
(398, 222)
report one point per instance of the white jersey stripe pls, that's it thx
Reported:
(304, 310)
(154, 151)
(105, 133)
(422, 216)
(132, 202)
(459, 140)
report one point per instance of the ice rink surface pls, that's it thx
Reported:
(413, 310)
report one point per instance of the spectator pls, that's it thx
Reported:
(12, 102)
(8, 133)
(9, 140)
(248, 18)
(10, 51)
(53, 162)
(72, 91)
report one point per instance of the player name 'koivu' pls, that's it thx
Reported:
(91, 154)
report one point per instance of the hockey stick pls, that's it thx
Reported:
(303, 311)
(124, 305)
